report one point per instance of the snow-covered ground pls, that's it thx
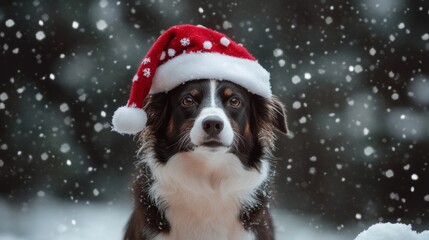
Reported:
(391, 231)
(48, 219)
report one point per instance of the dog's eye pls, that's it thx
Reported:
(188, 101)
(234, 102)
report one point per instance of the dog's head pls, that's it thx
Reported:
(214, 116)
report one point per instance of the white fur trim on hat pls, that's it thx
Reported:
(129, 120)
(244, 72)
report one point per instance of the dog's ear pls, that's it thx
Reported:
(278, 116)
(157, 109)
(268, 112)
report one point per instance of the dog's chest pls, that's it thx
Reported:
(202, 195)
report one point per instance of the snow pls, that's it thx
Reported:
(375, 81)
(358, 68)
(328, 20)
(296, 105)
(101, 25)
(75, 25)
(389, 173)
(95, 192)
(64, 107)
(391, 231)
(39, 96)
(395, 96)
(307, 76)
(226, 24)
(65, 148)
(98, 127)
(368, 150)
(103, 3)
(277, 52)
(48, 219)
(365, 131)
(9, 23)
(40, 35)
(44, 156)
(296, 79)
(3, 96)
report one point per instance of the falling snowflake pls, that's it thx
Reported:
(146, 72)
(135, 78)
(146, 60)
(185, 42)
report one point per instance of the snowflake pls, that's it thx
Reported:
(135, 78)
(185, 42)
(146, 72)
(146, 60)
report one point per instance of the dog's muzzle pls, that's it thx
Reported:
(212, 129)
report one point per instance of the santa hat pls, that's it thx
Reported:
(184, 53)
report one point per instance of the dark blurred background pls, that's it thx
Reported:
(354, 76)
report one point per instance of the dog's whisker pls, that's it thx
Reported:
(183, 140)
(238, 139)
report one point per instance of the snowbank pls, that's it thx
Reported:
(391, 231)
(51, 219)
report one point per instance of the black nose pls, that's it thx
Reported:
(212, 125)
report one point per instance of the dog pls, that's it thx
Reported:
(204, 168)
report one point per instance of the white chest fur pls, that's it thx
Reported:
(202, 194)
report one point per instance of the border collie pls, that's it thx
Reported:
(204, 170)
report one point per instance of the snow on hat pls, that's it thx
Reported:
(184, 53)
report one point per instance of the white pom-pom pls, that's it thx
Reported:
(129, 120)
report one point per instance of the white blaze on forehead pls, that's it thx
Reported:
(213, 93)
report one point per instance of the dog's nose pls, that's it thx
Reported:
(212, 125)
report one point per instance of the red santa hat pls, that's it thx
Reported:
(184, 53)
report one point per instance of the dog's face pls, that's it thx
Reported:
(214, 116)
(209, 115)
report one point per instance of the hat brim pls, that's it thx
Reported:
(191, 66)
